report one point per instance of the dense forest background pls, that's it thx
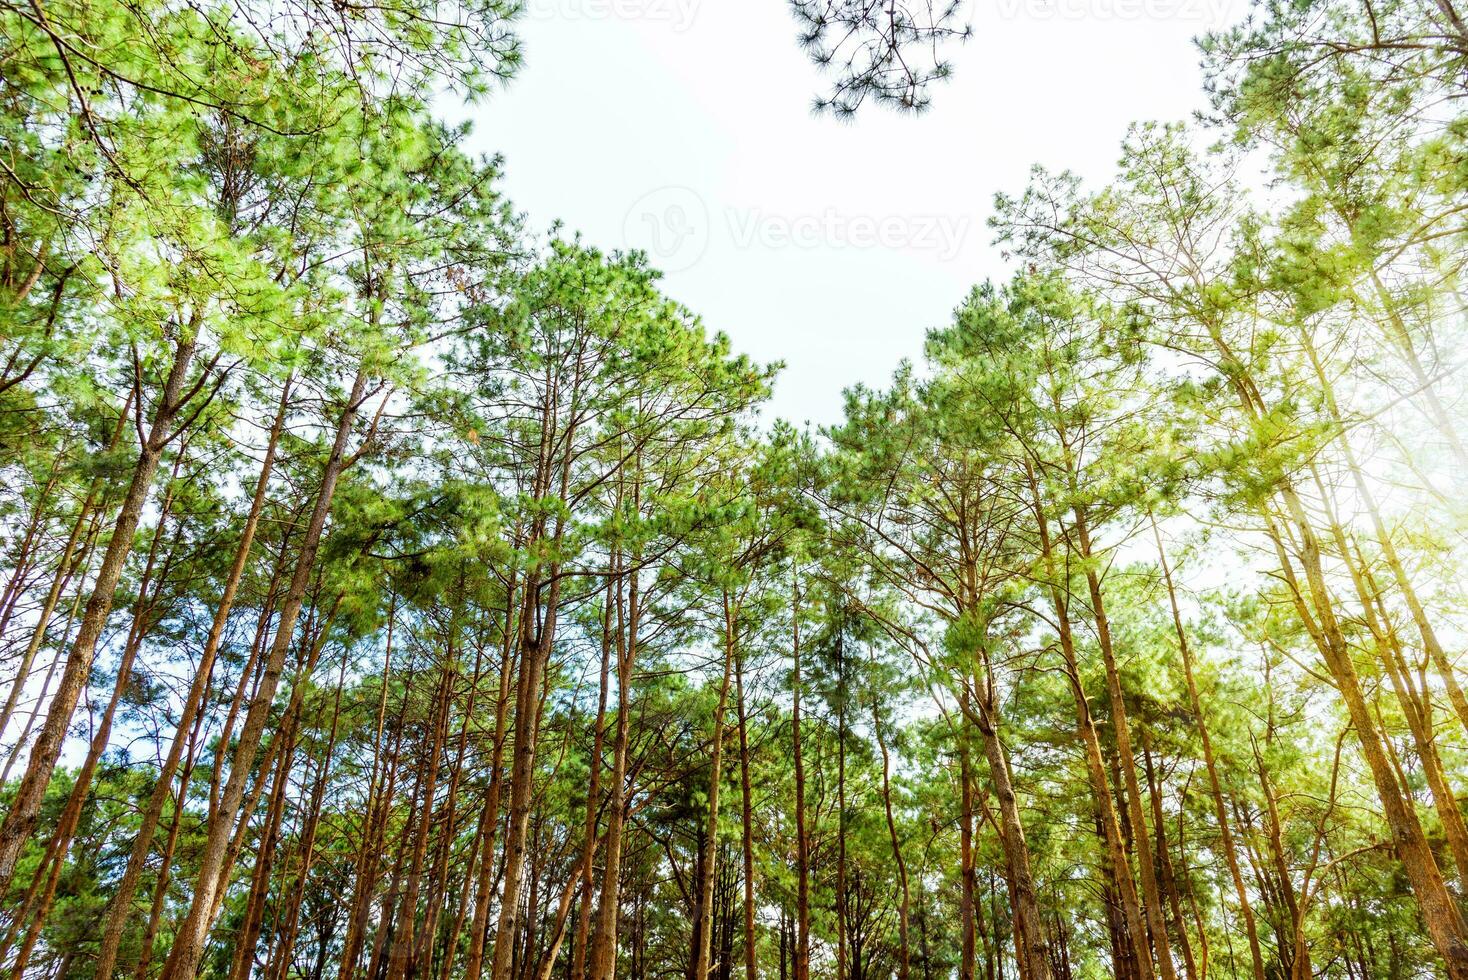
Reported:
(389, 592)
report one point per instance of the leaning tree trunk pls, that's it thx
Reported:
(119, 909)
(1151, 892)
(188, 947)
(26, 807)
(1215, 785)
(1034, 954)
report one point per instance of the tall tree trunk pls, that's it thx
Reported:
(1425, 630)
(967, 907)
(188, 947)
(38, 899)
(1314, 606)
(1215, 784)
(382, 783)
(1439, 911)
(751, 971)
(702, 954)
(802, 837)
(534, 653)
(1167, 878)
(1033, 953)
(593, 796)
(479, 926)
(65, 566)
(904, 900)
(1151, 892)
(46, 750)
(1131, 913)
(627, 628)
(119, 909)
(400, 960)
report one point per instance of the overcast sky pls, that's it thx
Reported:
(683, 127)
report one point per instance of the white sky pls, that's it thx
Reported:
(683, 127)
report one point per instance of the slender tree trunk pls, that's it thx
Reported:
(750, 968)
(1215, 784)
(479, 926)
(399, 962)
(841, 965)
(802, 837)
(183, 960)
(534, 652)
(379, 799)
(1033, 954)
(46, 750)
(967, 909)
(1131, 912)
(1167, 879)
(160, 887)
(593, 797)
(65, 566)
(628, 622)
(37, 907)
(248, 937)
(1151, 892)
(702, 954)
(1430, 641)
(1444, 921)
(119, 909)
(904, 901)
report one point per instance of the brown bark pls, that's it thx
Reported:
(489, 822)
(400, 960)
(46, 750)
(65, 567)
(1129, 907)
(1314, 606)
(119, 909)
(802, 838)
(37, 906)
(747, 819)
(627, 627)
(1033, 953)
(383, 783)
(1151, 892)
(904, 901)
(189, 946)
(966, 904)
(534, 652)
(1215, 784)
(1167, 878)
(1440, 913)
(702, 954)
(593, 796)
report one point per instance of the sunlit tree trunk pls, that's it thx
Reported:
(1215, 784)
